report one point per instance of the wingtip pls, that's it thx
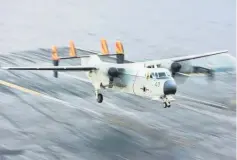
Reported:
(4, 68)
(219, 51)
(224, 51)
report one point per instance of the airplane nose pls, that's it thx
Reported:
(170, 87)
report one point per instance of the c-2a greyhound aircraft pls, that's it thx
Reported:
(138, 78)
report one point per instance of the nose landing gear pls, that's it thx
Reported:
(166, 101)
(166, 104)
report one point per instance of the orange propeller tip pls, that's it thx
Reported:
(54, 47)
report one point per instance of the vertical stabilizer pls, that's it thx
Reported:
(119, 52)
(55, 59)
(104, 47)
(72, 49)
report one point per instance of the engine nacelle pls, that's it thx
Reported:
(175, 67)
(170, 65)
(113, 72)
(184, 67)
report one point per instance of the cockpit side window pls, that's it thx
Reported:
(152, 75)
(162, 74)
(168, 74)
(157, 76)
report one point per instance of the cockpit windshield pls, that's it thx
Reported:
(162, 74)
(159, 75)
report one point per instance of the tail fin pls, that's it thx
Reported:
(55, 59)
(104, 47)
(72, 49)
(119, 52)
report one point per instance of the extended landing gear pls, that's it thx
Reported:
(166, 101)
(166, 104)
(99, 97)
(111, 80)
(110, 85)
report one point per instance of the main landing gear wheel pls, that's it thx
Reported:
(99, 98)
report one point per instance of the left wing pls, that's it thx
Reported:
(185, 58)
(54, 68)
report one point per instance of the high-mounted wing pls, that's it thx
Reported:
(54, 68)
(185, 58)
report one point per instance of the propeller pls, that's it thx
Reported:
(181, 71)
(208, 71)
(114, 72)
(181, 67)
(175, 67)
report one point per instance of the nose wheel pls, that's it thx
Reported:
(166, 104)
(166, 101)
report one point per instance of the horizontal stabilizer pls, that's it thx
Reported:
(54, 68)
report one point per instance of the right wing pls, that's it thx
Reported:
(190, 57)
(54, 68)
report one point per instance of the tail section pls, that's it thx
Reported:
(89, 59)
(119, 52)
